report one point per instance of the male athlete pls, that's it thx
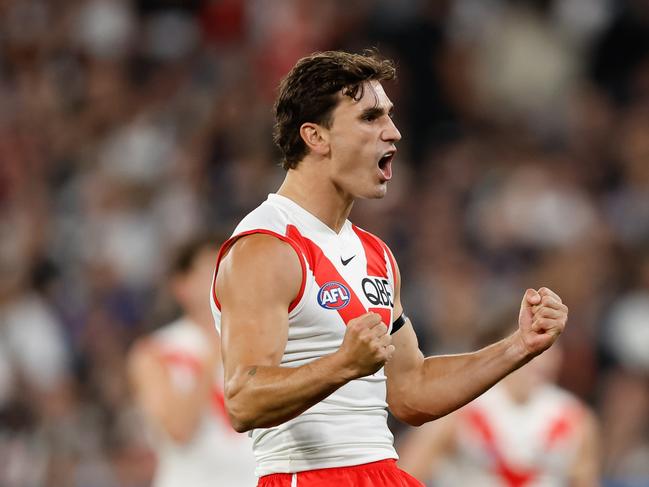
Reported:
(176, 374)
(316, 344)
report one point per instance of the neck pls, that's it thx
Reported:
(309, 187)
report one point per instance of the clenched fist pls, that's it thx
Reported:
(366, 345)
(542, 319)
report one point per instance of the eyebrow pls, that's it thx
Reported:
(376, 111)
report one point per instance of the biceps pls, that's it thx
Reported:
(256, 283)
(254, 336)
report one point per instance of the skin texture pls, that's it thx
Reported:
(178, 413)
(260, 276)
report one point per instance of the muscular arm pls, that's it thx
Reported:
(423, 389)
(256, 282)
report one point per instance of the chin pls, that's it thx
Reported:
(375, 194)
(381, 191)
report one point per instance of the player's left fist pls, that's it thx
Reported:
(542, 319)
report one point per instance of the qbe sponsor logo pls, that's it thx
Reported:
(378, 291)
(333, 295)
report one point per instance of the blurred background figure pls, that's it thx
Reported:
(177, 375)
(524, 432)
(128, 126)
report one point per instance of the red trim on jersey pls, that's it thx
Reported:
(196, 366)
(228, 243)
(374, 253)
(172, 357)
(324, 271)
(192, 363)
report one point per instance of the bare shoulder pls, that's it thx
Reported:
(261, 246)
(260, 262)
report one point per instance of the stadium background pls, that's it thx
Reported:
(128, 126)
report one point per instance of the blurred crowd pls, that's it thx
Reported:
(129, 126)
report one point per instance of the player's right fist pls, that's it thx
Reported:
(366, 345)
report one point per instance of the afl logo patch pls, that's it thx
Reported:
(333, 295)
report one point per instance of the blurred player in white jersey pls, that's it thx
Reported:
(524, 432)
(176, 374)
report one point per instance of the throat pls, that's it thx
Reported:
(329, 205)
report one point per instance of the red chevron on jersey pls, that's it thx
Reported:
(511, 476)
(326, 273)
(375, 256)
(374, 253)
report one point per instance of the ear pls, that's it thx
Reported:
(316, 138)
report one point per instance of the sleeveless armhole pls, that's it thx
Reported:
(228, 243)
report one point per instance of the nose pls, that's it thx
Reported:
(391, 132)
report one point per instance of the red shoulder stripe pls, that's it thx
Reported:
(228, 243)
(374, 253)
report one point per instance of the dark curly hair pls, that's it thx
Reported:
(309, 93)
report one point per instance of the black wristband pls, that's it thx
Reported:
(398, 323)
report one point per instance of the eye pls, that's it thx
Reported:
(371, 114)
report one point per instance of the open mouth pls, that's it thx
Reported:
(385, 165)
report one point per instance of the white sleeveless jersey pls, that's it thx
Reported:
(217, 455)
(344, 275)
(500, 443)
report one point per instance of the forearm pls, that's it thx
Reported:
(442, 384)
(264, 396)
